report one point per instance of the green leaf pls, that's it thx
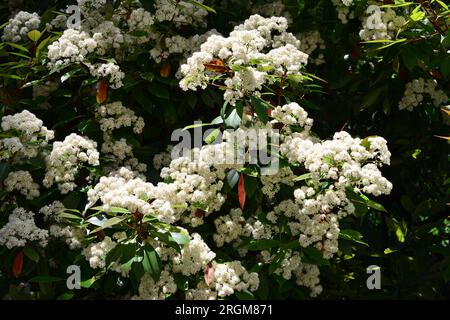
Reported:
(313, 256)
(372, 97)
(151, 262)
(245, 295)
(249, 171)
(180, 238)
(263, 288)
(34, 35)
(88, 283)
(294, 244)
(121, 253)
(118, 210)
(17, 46)
(159, 90)
(149, 76)
(362, 203)
(276, 262)
(445, 41)
(197, 125)
(232, 178)
(31, 254)
(138, 33)
(109, 223)
(398, 228)
(417, 14)
(10, 76)
(43, 45)
(372, 204)
(262, 244)
(181, 281)
(305, 176)
(251, 185)
(389, 251)
(443, 5)
(212, 136)
(66, 296)
(70, 216)
(70, 74)
(233, 120)
(261, 108)
(352, 235)
(202, 6)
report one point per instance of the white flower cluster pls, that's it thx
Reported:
(273, 9)
(196, 183)
(193, 191)
(343, 162)
(272, 183)
(21, 229)
(51, 212)
(140, 20)
(32, 136)
(194, 256)
(177, 44)
(122, 189)
(23, 182)
(229, 227)
(248, 58)
(73, 236)
(57, 23)
(180, 12)
(128, 29)
(292, 114)
(18, 27)
(89, 6)
(96, 252)
(110, 71)
(163, 159)
(149, 289)
(232, 276)
(201, 292)
(114, 116)
(417, 90)
(74, 46)
(65, 160)
(381, 24)
(307, 275)
(44, 90)
(344, 10)
(311, 41)
(225, 279)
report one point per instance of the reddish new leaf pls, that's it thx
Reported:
(102, 92)
(209, 274)
(165, 70)
(241, 191)
(17, 264)
(217, 66)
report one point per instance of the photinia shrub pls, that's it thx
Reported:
(224, 149)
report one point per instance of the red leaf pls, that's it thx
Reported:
(18, 264)
(209, 274)
(165, 70)
(102, 92)
(241, 191)
(217, 66)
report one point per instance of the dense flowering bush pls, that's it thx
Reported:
(304, 105)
